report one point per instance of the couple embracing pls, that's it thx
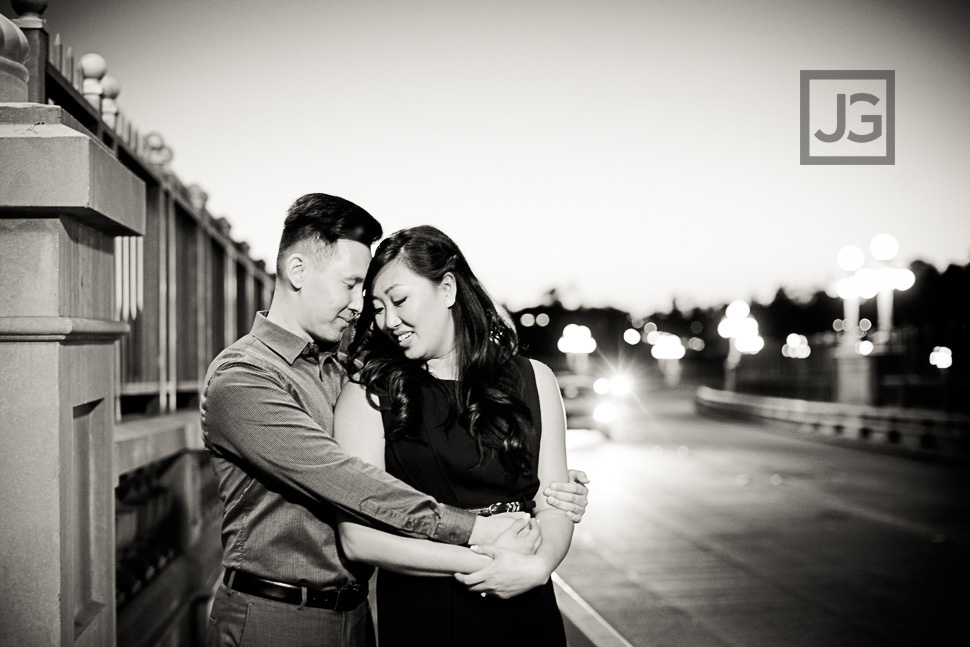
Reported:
(425, 446)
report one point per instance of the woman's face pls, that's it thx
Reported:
(414, 312)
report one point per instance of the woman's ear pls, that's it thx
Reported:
(294, 271)
(449, 288)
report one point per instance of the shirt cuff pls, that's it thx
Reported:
(454, 526)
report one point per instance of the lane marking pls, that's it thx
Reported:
(587, 621)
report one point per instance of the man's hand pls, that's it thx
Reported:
(571, 497)
(508, 575)
(523, 536)
(487, 529)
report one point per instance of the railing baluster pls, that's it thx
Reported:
(125, 282)
(119, 281)
(133, 276)
(93, 68)
(56, 54)
(109, 105)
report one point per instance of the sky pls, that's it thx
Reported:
(625, 153)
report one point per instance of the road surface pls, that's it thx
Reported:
(705, 532)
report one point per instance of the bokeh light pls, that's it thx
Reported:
(738, 310)
(668, 346)
(883, 247)
(621, 385)
(696, 343)
(851, 258)
(941, 357)
(796, 347)
(605, 413)
(576, 339)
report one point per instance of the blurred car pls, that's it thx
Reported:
(596, 402)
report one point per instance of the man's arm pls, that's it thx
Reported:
(250, 417)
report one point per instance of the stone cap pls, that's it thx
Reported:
(14, 51)
(53, 167)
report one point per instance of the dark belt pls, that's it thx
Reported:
(344, 599)
(499, 508)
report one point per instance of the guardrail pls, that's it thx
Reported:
(918, 430)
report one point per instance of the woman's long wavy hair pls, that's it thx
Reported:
(487, 399)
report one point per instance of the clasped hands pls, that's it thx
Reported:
(516, 566)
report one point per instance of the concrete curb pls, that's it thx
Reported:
(584, 627)
(919, 431)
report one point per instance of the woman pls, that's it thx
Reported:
(443, 402)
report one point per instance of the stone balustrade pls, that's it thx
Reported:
(118, 289)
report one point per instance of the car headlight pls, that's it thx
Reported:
(620, 385)
(605, 413)
(602, 386)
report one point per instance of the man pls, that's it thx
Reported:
(267, 418)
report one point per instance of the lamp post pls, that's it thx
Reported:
(856, 376)
(851, 259)
(742, 332)
(577, 343)
(887, 279)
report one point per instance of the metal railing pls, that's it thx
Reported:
(186, 288)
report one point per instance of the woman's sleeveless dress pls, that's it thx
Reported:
(440, 610)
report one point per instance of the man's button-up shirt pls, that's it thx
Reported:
(267, 418)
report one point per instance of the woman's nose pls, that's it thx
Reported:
(391, 320)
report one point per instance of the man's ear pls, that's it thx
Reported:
(449, 288)
(294, 270)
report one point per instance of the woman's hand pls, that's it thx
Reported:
(487, 529)
(570, 497)
(523, 536)
(509, 574)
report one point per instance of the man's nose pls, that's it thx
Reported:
(357, 302)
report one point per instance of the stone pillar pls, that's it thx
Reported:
(63, 198)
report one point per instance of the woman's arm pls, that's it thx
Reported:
(511, 574)
(360, 432)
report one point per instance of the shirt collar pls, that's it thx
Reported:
(284, 343)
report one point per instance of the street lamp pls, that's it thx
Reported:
(668, 351)
(796, 346)
(851, 259)
(868, 282)
(742, 332)
(577, 343)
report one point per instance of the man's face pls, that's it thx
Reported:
(332, 292)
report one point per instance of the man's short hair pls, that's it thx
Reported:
(322, 218)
